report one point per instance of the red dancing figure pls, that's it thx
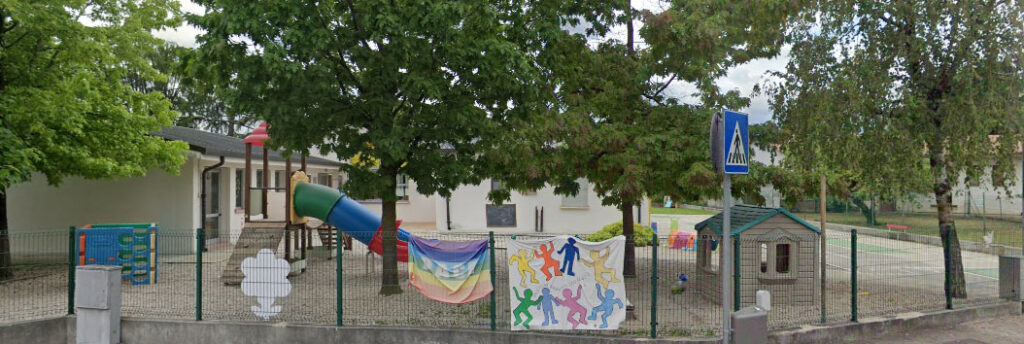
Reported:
(545, 253)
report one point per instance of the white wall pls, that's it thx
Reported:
(468, 212)
(170, 201)
(419, 210)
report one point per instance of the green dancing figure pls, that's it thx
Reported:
(524, 307)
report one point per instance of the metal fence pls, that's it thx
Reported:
(865, 276)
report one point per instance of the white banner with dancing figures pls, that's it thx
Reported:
(565, 283)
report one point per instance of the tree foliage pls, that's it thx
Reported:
(65, 108)
(616, 126)
(410, 87)
(899, 92)
(199, 103)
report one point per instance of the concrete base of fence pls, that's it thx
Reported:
(870, 327)
(62, 330)
(55, 330)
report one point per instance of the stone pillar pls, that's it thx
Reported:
(98, 304)
(1011, 278)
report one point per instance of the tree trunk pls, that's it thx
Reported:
(6, 268)
(629, 261)
(868, 212)
(389, 241)
(947, 230)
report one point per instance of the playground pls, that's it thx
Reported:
(893, 277)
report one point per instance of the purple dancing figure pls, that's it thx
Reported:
(572, 253)
(608, 302)
(545, 305)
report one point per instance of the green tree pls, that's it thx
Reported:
(198, 101)
(65, 108)
(616, 126)
(888, 90)
(399, 87)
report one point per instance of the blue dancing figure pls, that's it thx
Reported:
(608, 302)
(545, 304)
(572, 253)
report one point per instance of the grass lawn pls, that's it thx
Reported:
(679, 211)
(1007, 229)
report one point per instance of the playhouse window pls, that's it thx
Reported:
(782, 258)
(776, 259)
(763, 254)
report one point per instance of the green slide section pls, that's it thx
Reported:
(315, 200)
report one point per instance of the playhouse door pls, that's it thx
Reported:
(212, 221)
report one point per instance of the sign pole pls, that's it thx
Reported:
(730, 154)
(725, 255)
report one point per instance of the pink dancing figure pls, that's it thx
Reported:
(574, 306)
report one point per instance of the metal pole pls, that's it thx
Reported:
(824, 267)
(337, 272)
(654, 285)
(726, 246)
(736, 274)
(199, 274)
(1022, 201)
(494, 287)
(853, 275)
(72, 252)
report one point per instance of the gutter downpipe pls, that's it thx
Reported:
(202, 196)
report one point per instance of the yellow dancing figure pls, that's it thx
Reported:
(597, 262)
(522, 262)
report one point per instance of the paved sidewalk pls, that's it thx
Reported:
(1008, 330)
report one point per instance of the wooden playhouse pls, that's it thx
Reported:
(777, 251)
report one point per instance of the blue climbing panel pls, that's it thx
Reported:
(133, 247)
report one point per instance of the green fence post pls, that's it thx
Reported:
(736, 273)
(72, 251)
(494, 287)
(338, 290)
(948, 275)
(654, 286)
(199, 273)
(853, 275)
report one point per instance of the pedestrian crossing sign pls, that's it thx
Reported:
(737, 143)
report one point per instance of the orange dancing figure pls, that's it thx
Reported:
(545, 253)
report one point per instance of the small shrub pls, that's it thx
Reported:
(641, 234)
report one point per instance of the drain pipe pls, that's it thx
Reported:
(448, 211)
(202, 197)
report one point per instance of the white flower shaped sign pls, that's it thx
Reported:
(266, 278)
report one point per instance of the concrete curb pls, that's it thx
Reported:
(872, 327)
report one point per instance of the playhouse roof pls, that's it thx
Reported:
(744, 217)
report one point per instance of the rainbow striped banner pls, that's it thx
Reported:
(454, 272)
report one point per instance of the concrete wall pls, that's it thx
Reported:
(159, 332)
(469, 203)
(172, 201)
(420, 209)
(50, 331)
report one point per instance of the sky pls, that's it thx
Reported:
(741, 78)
